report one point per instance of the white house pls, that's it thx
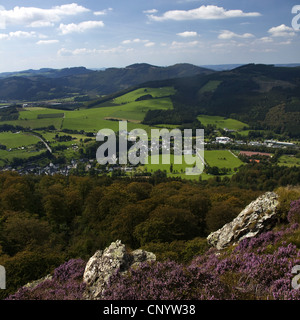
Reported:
(223, 140)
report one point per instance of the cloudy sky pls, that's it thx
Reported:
(116, 33)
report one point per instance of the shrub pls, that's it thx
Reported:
(286, 196)
(294, 212)
(66, 284)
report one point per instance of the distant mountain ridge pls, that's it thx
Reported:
(53, 83)
(47, 72)
(224, 67)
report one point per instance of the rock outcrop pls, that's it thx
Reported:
(103, 264)
(258, 216)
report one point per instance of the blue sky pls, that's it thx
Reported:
(116, 33)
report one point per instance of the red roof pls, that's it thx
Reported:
(252, 153)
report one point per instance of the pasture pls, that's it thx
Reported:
(16, 140)
(154, 92)
(92, 120)
(288, 161)
(221, 122)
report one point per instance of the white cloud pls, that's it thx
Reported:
(137, 40)
(36, 17)
(150, 44)
(266, 39)
(282, 31)
(41, 24)
(22, 34)
(81, 27)
(85, 51)
(176, 44)
(102, 12)
(285, 43)
(3, 36)
(226, 35)
(209, 12)
(19, 34)
(150, 11)
(187, 34)
(41, 42)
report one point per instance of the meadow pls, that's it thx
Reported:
(221, 122)
(17, 140)
(8, 156)
(210, 86)
(92, 120)
(289, 161)
(154, 92)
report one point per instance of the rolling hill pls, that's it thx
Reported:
(50, 83)
(263, 96)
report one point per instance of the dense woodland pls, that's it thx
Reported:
(46, 220)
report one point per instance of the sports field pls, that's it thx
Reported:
(222, 159)
(218, 158)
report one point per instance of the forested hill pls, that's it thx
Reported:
(264, 96)
(51, 83)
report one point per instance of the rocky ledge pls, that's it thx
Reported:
(257, 217)
(103, 264)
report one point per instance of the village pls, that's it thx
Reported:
(252, 150)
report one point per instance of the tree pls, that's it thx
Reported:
(21, 231)
(124, 224)
(55, 205)
(222, 213)
(167, 224)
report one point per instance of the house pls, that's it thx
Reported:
(223, 140)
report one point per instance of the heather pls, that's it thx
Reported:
(256, 268)
(65, 284)
(244, 272)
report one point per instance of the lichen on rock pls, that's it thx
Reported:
(103, 264)
(258, 216)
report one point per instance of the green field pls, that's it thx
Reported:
(34, 113)
(23, 154)
(221, 122)
(211, 86)
(222, 159)
(289, 161)
(218, 158)
(16, 140)
(155, 92)
(99, 118)
(94, 119)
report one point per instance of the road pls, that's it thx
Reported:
(44, 142)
